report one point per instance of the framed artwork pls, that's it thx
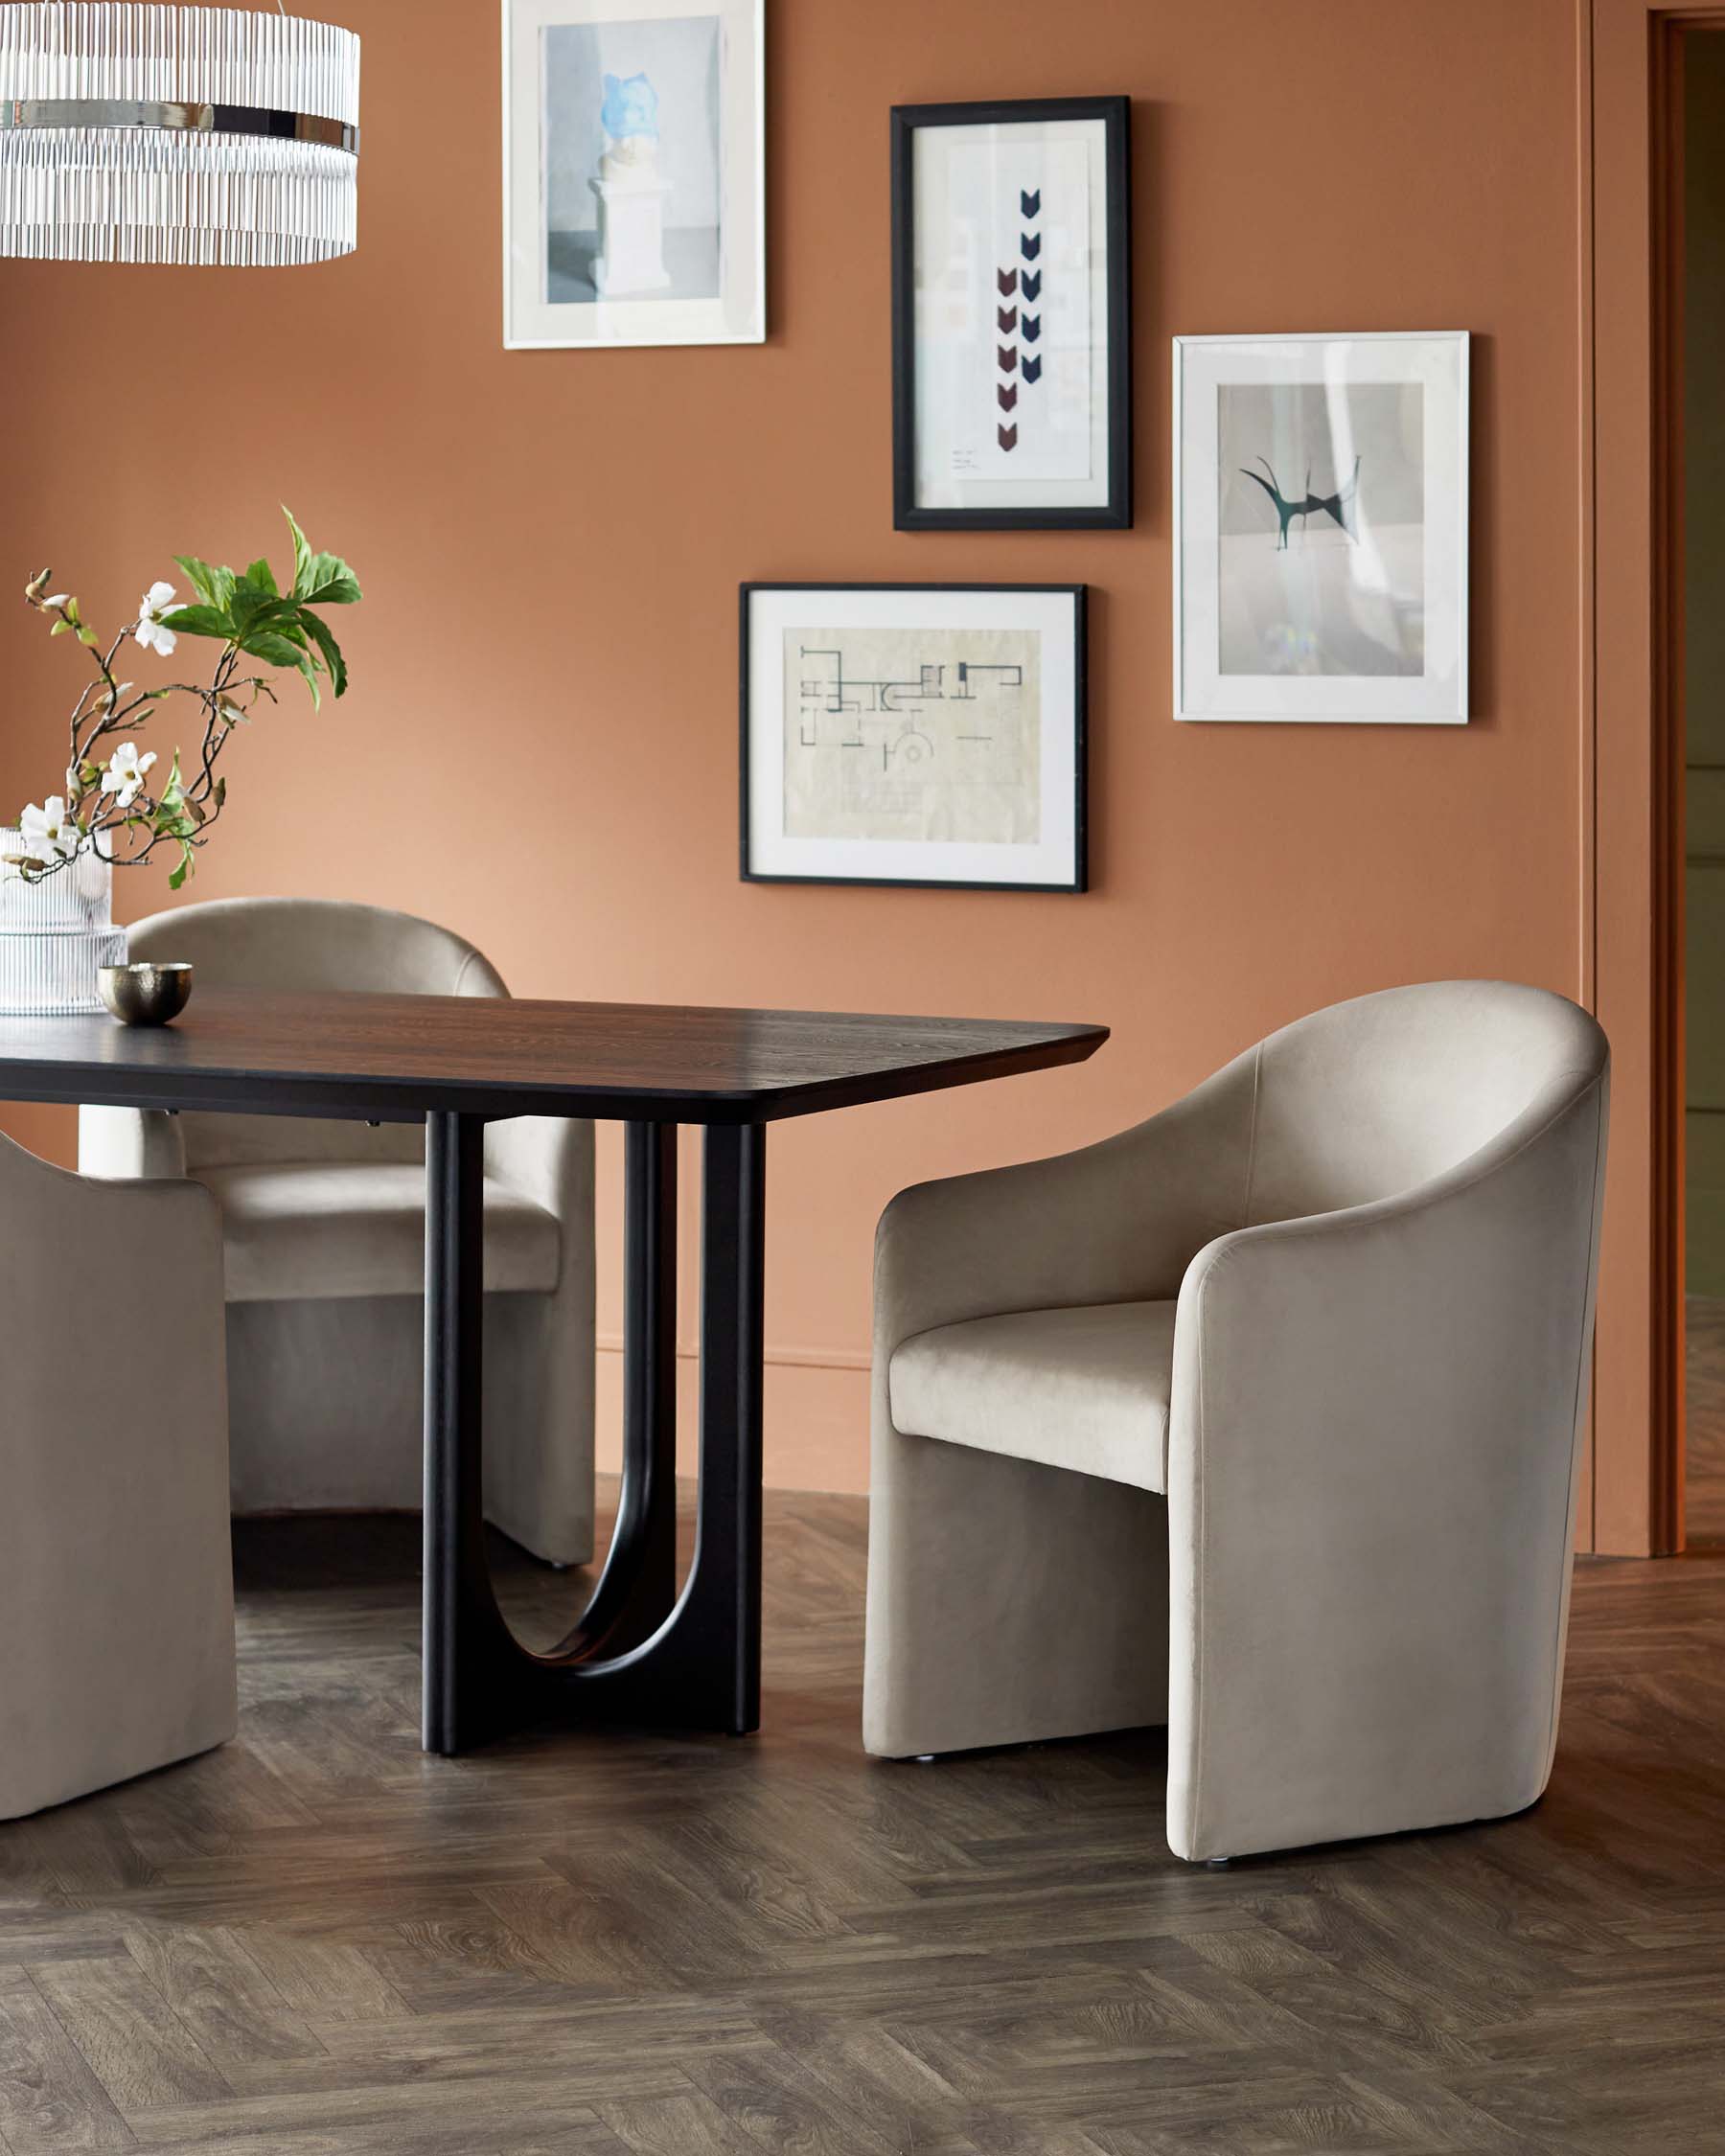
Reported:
(1320, 544)
(634, 173)
(914, 733)
(1011, 317)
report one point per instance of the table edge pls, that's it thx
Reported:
(337, 1097)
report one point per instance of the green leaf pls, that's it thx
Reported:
(331, 583)
(60, 628)
(263, 576)
(173, 790)
(272, 645)
(88, 636)
(251, 608)
(330, 650)
(302, 555)
(201, 621)
(213, 585)
(321, 580)
(177, 876)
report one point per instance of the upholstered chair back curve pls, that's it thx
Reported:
(1371, 1098)
(308, 944)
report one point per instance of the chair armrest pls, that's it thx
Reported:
(84, 1255)
(548, 1160)
(1115, 1222)
(135, 1142)
(1371, 1474)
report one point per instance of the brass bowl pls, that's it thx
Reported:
(145, 993)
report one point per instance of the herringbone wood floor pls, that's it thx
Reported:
(317, 1942)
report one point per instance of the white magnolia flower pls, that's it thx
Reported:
(125, 773)
(58, 600)
(49, 833)
(154, 632)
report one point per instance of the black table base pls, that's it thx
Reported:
(639, 1653)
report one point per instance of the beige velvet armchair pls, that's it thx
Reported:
(1262, 1419)
(324, 1230)
(116, 1583)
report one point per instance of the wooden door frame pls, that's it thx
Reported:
(1632, 810)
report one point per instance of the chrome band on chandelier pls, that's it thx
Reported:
(196, 118)
(185, 135)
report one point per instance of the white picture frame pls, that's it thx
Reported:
(634, 173)
(931, 735)
(1321, 542)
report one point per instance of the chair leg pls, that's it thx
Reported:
(1008, 1601)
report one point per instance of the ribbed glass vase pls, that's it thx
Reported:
(54, 934)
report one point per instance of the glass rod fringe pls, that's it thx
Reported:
(151, 193)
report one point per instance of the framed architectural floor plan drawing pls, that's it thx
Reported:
(914, 733)
(1321, 540)
(633, 158)
(1011, 316)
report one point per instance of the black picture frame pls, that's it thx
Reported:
(1079, 880)
(1116, 514)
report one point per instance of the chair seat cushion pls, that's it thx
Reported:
(299, 1231)
(1086, 1388)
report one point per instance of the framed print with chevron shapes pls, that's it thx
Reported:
(914, 733)
(1011, 316)
(634, 173)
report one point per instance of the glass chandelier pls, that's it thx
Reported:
(164, 134)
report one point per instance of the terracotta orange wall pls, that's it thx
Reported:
(539, 747)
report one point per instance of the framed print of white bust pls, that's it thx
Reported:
(634, 164)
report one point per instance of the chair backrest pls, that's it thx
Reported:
(296, 943)
(1371, 1098)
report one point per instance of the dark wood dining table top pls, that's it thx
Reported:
(395, 1058)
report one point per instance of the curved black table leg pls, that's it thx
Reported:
(700, 1666)
(638, 1584)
